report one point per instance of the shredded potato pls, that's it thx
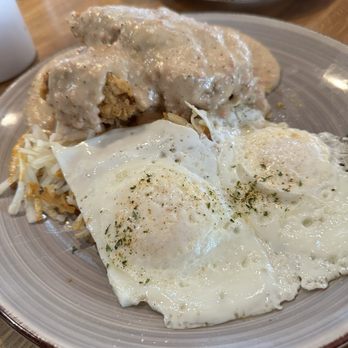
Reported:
(12, 173)
(40, 185)
(176, 119)
(198, 122)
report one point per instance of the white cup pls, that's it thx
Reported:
(17, 50)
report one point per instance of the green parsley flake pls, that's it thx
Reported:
(135, 215)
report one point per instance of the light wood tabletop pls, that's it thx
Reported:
(46, 21)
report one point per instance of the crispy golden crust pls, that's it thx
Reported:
(13, 167)
(119, 103)
(48, 195)
(44, 86)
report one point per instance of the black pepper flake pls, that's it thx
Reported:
(133, 187)
(119, 243)
(107, 229)
(263, 166)
(145, 282)
(108, 248)
(73, 249)
(275, 198)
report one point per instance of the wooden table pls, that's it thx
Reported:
(47, 24)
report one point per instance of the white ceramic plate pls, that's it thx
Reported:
(58, 298)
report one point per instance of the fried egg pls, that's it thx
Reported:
(289, 186)
(152, 199)
(209, 230)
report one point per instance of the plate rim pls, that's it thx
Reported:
(11, 320)
(275, 21)
(23, 328)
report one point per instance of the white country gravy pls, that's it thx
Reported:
(165, 59)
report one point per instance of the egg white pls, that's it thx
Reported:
(152, 199)
(298, 196)
(209, 230)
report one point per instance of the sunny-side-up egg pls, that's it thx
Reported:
(151, 197)
(290, 187)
